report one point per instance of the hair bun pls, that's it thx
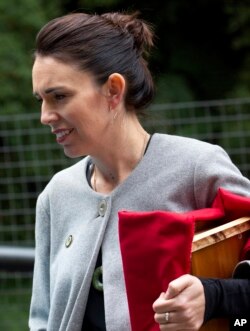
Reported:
(141, 31)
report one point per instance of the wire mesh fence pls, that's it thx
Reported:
(29, 157)
(223, 122)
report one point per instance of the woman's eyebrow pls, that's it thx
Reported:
(52, 89)
(48, 90)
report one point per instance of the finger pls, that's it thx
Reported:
(160, 318)
(162, 305)
(158, 305)
(164, 318)
(177, 286)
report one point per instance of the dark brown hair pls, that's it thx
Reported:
(103, 44)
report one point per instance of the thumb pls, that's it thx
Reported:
(170, 293)
(176, 286)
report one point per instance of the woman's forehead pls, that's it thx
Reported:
(49, 73)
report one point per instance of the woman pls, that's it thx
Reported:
(90, 74)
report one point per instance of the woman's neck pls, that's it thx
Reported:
(120, 157)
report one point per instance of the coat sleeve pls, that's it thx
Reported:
(226, 298)
(214, 169)
(40, 301)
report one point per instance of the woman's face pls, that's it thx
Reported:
(72, 104)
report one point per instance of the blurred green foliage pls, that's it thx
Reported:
(15, 290)
(19, 23)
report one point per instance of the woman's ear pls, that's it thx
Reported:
(116, 86)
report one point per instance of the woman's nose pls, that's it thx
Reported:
(48, 116)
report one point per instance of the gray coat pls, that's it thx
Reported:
(176, 174)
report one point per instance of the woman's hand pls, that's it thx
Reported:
(182, 307)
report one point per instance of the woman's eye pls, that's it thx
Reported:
(60, 96)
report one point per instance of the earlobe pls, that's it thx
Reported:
(116, 89)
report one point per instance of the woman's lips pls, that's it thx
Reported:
(62, 134)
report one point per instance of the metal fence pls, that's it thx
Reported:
(29, 157)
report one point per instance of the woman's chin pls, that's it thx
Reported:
(73, 153)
